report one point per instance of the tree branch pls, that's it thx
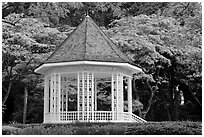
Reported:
(8, 22)
(152, 91)
(184, 9)
(7, 94)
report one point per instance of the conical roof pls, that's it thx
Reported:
(87, 43)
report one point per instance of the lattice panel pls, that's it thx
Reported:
(85, 92)
(120, 93)
(57, 92)
(80, 92)
(90, 98)
(114, 88)
(52, 94)
(85, 97)
(64, 94)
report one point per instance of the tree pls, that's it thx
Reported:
(24, 48)
(158, 41)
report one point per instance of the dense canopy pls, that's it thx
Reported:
(164, 38)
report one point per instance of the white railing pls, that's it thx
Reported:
(95, 116)
(135, 118)
(86, 116)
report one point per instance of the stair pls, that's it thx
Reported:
(137, 119)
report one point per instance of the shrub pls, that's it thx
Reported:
(101, 130)
(41, 130)
(156, 128)
(8, 130)
(166, 128)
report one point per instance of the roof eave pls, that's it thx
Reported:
(41, 69)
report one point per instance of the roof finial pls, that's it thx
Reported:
(87, 13)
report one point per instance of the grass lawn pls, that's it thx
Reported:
(150, 128)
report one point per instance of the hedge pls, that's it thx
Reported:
(156, 128)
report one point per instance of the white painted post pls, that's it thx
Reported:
(112, 96)
(78, 105)
(130, 97)
(83, 96)
(92, 97)
(117, 89)
(87, 96)
(95, 92)
(62, 96)
(45, 97)
(59, 99)
(121, 99)
(54, 87)
(67, 98)
(51, 99)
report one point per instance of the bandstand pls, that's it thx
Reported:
(71, 74)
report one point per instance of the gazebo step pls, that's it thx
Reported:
(138, 119)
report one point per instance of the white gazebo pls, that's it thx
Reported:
(74, 72)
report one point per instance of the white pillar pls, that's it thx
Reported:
(92, 96)
(117, 97)
(78, 81)
(46, 97)
(95, 95)
(87, 92)
(62, 95)
(130, 96)
(83, 96)
(67, 97)
(59, 99)
(112, 96)
(54, 96)
(51, 99)
(120, 96)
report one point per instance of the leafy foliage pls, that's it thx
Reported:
(165, 128)
(163, 38)
(159, 128)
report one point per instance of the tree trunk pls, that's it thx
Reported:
(25, 104)
(176, 93)
(172, 85)
(165, 105)
(152, 91)
(7, 93)
(147, 108)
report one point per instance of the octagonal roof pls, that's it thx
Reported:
(87, 43)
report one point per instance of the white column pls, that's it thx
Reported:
(62, 95)
(95, 95)
(67, 98)
(117, 97)
(78, 95)
(87, 92)
(92, 96)
(51, 98)
(130, 96)
(46, 96)
(112, 96)
(59, 95)
(120, 96)
(54, 101)
(83, 96)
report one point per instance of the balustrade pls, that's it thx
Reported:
(96, 116)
